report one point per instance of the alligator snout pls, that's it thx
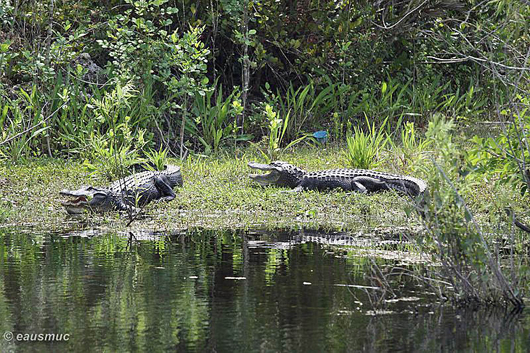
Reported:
(264, 179)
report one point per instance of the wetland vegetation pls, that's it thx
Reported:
(435, 90)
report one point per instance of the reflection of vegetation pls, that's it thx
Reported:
(274, 258)
(103, 280)
(170, 293)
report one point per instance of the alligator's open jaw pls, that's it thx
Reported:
(264, 179)
(76, 203)
(76, 206)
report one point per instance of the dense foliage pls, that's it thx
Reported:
(215, 66)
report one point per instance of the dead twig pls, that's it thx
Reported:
(519, 224)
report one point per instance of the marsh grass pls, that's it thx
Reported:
(276, 145)
(473, 269)
(217, 193)
(413, 147)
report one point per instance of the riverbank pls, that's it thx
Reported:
(466, 241)
(217, 194)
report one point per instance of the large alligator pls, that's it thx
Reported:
(360, 180)
(127, 193)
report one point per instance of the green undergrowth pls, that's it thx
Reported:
(217, 194)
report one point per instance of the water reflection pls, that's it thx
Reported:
(225, 291)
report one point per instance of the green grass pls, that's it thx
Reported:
(217, 194)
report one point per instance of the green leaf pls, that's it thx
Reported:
(4, 47)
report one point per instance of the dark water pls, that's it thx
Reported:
(225, 292)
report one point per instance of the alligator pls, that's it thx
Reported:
(125, 194)
(360, 180)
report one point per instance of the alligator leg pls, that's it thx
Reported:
(358, 187)
(362, 184)
(326, 184)
(366, 184)
(123, 205)
(166, 192)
